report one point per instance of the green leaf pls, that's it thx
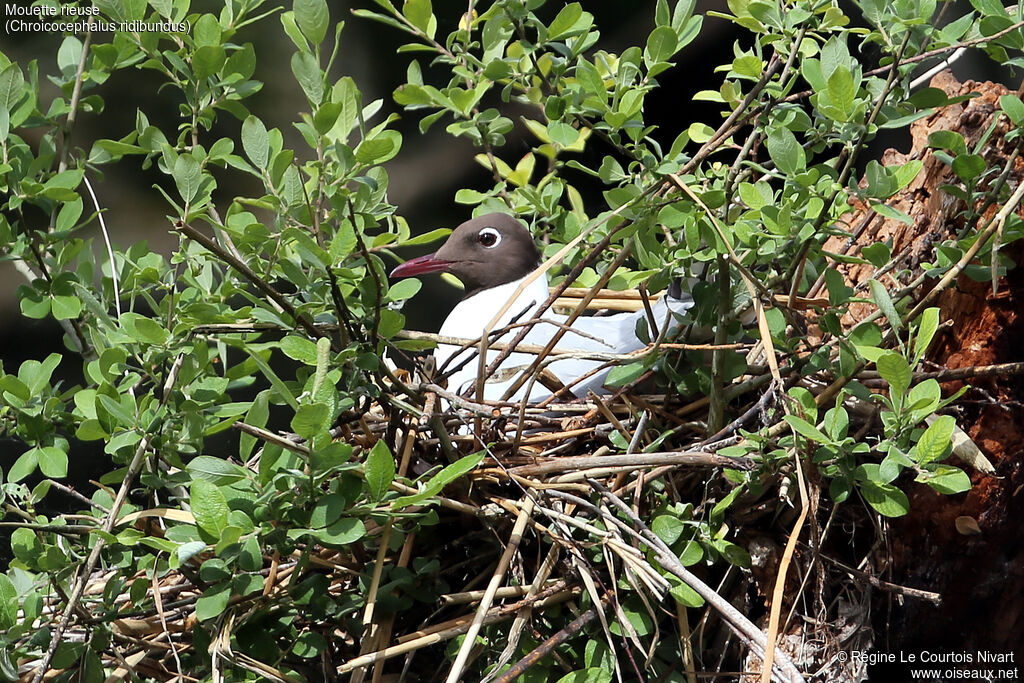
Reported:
(837, 423)
(683, 594)
(275, 381)
(404, 289)
(309, 644)
(143, 329)
(968, 167)
(327, 511)
(1013, 108)
(786, 152)
(624, 374)
(926, 329)
(292, 30)
(25, 545)
(208, 60)
(345, 531)
(209, 507)
(936, 441)
(880, 295)
(892, 212)
(420, 13)
(379, 470)
(925, 396)
(896, 371)
(313, 18)
(756, 196)
(806, 429)
(993, 8)
(369, 151)
(886, 499)
(299, 348)
(68, 215)
(11, 82)
(717, 515)
(24, 466)
(661, 45)
(116, 410)
(330, 457)
(842, 92)
(391, 322)
(565, 22)
(447, 475)
(700, 132)
(589, 675)
(255, 141)
(213, 601)
(206, 30)
(878, 254)
(216, 470)
(311, 419)
(15, 387)
(53, 462)
(34, 304)
(327, 116)
(562, 133)
(692, 553)
(866, 334)
(947, 139)
(309, 76)
(187, 551)
(187, 175)
(808, 406)
(668, 528)
(946, 479)
(256, 416)
(8, 603)
(65, 306)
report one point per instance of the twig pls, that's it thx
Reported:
(469, 597)
(739, 624)
(116, 283)
(493, 617)
(251, 276)
(996, 225)
(537, 588)
(75, 494)
(951, 374)
(535, 365)
(780, 580)
(934, 598)
(82, 576)
(301, 449)
(636, 460)
(485, 602)
(76, 94)
(549, 645)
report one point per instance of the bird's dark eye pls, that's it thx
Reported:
(489, 237)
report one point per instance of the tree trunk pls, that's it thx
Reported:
(968, 547)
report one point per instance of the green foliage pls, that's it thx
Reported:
(176, 351)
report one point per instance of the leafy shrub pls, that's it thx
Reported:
(276, 549)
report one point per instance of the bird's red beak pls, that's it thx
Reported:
(421, 266)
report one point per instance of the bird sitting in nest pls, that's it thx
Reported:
(493, 255)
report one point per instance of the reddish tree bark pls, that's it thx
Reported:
(979, 575)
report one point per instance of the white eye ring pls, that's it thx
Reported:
(489, 237)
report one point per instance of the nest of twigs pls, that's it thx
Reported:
(548, 539)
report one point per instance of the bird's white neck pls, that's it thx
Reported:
(472, 314)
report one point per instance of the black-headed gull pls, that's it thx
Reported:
(492, 255)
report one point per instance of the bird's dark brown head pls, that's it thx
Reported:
(484, 252)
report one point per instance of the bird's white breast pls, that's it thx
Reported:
(610, 334)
